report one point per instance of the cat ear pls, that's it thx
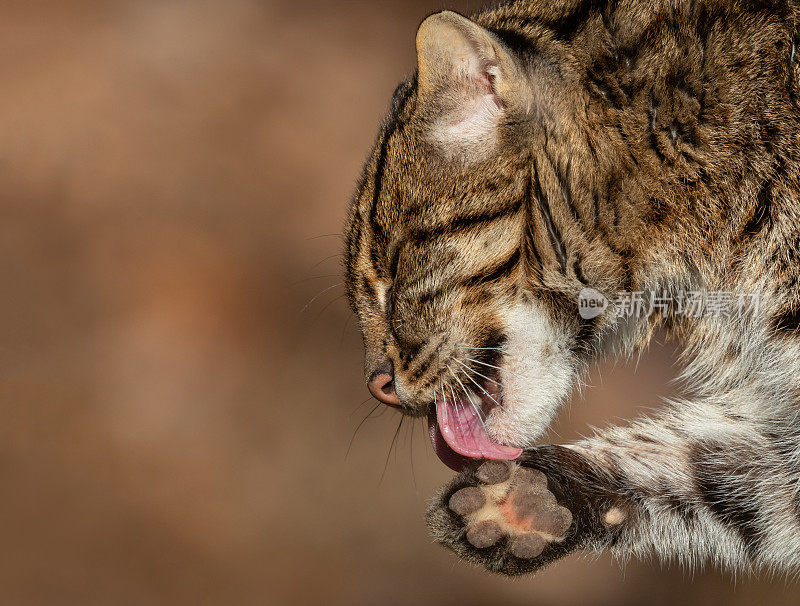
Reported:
(467, 76)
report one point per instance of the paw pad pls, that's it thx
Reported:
(467, 500)
(511, 502)
(484, 533)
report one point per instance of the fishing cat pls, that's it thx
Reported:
(548, 149)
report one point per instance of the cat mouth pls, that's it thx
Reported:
(458, 431)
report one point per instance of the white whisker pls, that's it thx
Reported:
(455, 405)
(496, 367)
(477, 373)
(319, 294)
(466, 393)
(479, 386)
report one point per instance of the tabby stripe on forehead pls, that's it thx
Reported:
(380, 166)
(552, 230)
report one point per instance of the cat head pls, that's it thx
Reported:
(471, 236)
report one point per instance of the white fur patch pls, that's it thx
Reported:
(471, 129)
(537, 374)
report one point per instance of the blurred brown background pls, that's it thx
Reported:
(173, 423)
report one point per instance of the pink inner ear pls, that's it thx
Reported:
(487, 76)
(484, 73)
(490, 77)
(468, 125)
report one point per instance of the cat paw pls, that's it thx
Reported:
(510, 503)
(503, 516)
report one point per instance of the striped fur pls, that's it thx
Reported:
(622, 145)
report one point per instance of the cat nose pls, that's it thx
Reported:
(381, 385)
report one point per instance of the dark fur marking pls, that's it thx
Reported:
(719, 480)
(564, 181)
(400, 98)
(578, 270)
(431, 295)
(678, 505)
(458, 224)
(494, 272)
(395, 261)
(762, 213)
(787, 321)
(638, 437)
(424, 364)
(585, 336)
(552, 230)
(517, 42)
(478, 297)
(567, 27)
(658, 210)
(530, 253)
(368, 289)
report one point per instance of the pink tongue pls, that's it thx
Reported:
(465, 433)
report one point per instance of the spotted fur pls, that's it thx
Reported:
(546, 146)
